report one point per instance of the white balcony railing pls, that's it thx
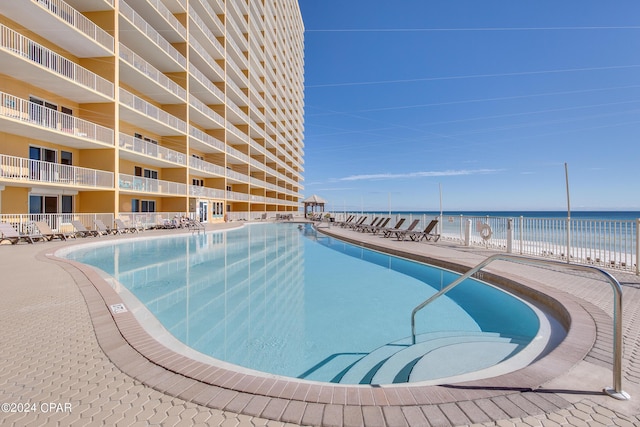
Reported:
(150, 185)
(168, 16)
(38, 115)
(149, 70)
(80, 22)
(240, 197)
(150, 110)
(206, 139)
(150, 149)
(35, 52)
(205, 166)
(204, 109)
(21, 169)
(211, 193)
(204, 81)
(139, 22)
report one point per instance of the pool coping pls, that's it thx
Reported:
(140, 356)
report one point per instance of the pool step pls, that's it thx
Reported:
(435, 355)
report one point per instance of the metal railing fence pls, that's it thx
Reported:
(22, 169)
(60, 222)
(599, 242)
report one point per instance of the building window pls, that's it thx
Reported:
(66, 157)
(148, 206)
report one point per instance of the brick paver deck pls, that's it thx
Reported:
(65, 359)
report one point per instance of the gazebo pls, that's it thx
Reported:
(313, 202)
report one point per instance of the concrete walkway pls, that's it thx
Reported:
(63, 362)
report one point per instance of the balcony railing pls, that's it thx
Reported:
(206, 139)
(150, 185)
(204, 166)
(77, 20)
(149, 70)
(148, 109)
(150, 149)
(35, 114)
(208, 112)
(168, 16)
(21, 169)
(210, 193)
(35, 52)
(139, 22)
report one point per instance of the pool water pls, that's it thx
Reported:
(282, 299)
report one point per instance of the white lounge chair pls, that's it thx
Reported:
(9, 234)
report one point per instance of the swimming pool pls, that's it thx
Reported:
(282, 299)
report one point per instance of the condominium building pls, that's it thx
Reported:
(146, 109)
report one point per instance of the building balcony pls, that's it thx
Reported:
(61, 24)
(203, 89)
(136, 110)
(237, 177)
(91, 5)
(161, 19)
(138, 73)
(206, 192)
(209, 16)
(205, 143)
(33, 63)
(21, 117)
(156, 155)
(140, 36)
(138, 184)
(238, 156)
(205, 169)
(204, 116)
(205, 62)
(235, 135)
(238, 197)
(26, 172)
(204, 35)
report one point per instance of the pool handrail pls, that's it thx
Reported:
(616, 391)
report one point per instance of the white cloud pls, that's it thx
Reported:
(424, 174)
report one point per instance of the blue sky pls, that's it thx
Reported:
(487, 99)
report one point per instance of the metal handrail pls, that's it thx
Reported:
(615, 391)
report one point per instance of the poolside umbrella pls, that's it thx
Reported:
(313, 202)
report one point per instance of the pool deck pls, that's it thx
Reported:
(67, 359)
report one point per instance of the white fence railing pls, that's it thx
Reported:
(150, 149)
(150, 110)
(601, 242)
(139, 22)
(21, 169)
(150, 185)
(35, 114)
(60, 222)
(78, 21)
(35, 52)
(150, 71)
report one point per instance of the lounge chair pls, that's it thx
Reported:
(82, 231)
(427, 233)
(402, 234)
(363, 225)
(102, 229)
(346, 221)
(381, 224)
(49, 234)
(8, 233)
(386, 232)
(121, 227)
(357, 223)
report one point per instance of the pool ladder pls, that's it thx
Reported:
(616, 391)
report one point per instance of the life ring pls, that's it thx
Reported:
(485, 231)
